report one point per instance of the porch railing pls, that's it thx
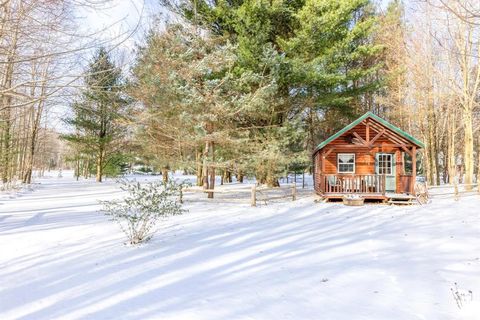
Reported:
(368, 183)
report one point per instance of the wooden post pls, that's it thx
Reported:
(384, 184)
(414, 169)
(294, 192)
(254, 196)
(398, 171)
(324, 184)
(303, 181)
(181, 195)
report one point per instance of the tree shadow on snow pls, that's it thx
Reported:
(220, 267)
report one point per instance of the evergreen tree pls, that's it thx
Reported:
(317, 59)
(392, 35)
(197, 104)
(99, 114)
(333, 62)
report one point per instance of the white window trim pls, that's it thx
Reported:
(338, 162)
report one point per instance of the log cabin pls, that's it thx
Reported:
(370, 158)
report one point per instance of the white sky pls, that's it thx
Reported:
(119, 25)
(122, 22)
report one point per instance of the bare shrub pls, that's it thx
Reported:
(140, 211)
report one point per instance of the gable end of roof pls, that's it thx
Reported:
(376, 118)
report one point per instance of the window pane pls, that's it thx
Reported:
(346, 162)
(407, 160)
(385, 164)
(346, 158)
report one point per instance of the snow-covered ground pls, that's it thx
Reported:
(61, 259)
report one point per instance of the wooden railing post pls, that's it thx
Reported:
(294, 192)
(254, 196)
(414, 169)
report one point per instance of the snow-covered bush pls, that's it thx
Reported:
(139, 212)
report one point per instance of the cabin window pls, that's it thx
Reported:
(385, 163)
(346, 163)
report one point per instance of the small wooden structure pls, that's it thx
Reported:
(370, 158)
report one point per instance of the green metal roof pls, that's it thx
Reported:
(376, 118)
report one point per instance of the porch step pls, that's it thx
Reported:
(410, 202)
(400, 196)
(401, 199)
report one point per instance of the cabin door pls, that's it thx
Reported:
(384, 164)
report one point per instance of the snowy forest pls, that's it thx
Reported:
(243, 88)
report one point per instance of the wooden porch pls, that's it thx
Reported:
(368, 186)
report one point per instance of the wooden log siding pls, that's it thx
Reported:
(365, 137)
(405, 183)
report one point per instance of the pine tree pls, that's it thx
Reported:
(333, 65)
(198, 109)
(99, 113)
(316, 60)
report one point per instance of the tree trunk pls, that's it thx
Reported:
(28, 173)
(432, 147)
(205, 165)
(212, 170)
(7, 125)
(468, 152)
(165, 174)
(99, 166)
(227, 176)
(6, 147)
(451, 164)
(86, 168)
(77, 169)
(272, 181)
(437, 162)
(6, 103)
(478, 167)
(200, 171)
(240, 176)
(36, 123)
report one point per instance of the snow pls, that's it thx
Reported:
(61, 259)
